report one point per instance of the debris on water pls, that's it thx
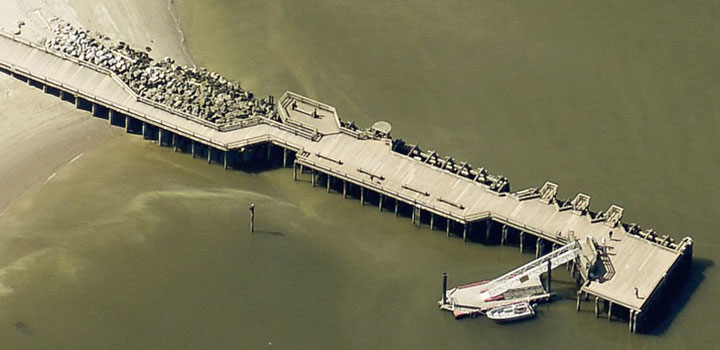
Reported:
(23, 327)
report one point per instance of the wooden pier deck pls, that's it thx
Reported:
(312, 133)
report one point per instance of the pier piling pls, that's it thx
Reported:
(444, 288)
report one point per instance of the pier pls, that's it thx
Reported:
(627, 277)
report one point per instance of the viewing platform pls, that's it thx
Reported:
(628, 275)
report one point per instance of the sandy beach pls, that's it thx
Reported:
(39, 135)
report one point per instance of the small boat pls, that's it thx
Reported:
(512, 312)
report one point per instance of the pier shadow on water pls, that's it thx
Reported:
(679, 296)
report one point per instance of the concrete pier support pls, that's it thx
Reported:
(192, 148)
(465, 232)
(538, 242)
(344, 189)
(522, 236)
(610, 305)
(327, 183)
(225, 159)
(312, 177)
(488, 225)
(432, 221)
(412, 216)
(503, 236)
(448, 222)
(579, 301)
(362, 195)
(209, 154)
(144, 130)
(597, 307)
(174, 142)
(418, 215)
(295, 172)
(380, 202)
(285, 157)
(269, 152)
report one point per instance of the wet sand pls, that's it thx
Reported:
(41, 135)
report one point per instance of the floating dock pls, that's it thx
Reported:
(627, 282)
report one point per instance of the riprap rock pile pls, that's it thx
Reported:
(196, 91)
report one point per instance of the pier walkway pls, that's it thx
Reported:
(313, 137)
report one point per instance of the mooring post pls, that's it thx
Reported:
(610, 305)
(344, 189)
(362, 195)
(597, 307)
(380, 202)
(444, 292)
(285, 157)
(432, 221)
(465, 230)
(252, 217)
(549, 276)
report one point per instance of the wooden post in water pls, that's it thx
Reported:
(444, 292)
(252, 217)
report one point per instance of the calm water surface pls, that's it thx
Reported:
(134, 246)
